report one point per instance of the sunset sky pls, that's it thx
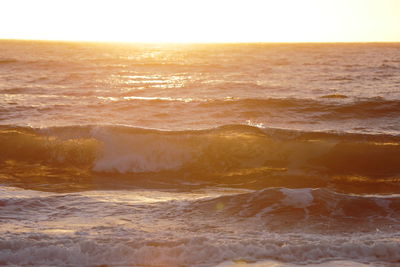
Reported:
(202, 20)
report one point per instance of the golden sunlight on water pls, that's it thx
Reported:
(199, 155)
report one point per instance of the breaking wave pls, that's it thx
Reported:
(234, 154)
(305, 208)
(343, 227)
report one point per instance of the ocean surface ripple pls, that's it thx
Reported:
(199, 155)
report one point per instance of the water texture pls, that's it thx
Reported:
(199, 155)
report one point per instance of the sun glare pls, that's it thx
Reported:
(202, 21)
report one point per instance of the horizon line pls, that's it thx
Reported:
(198, 43)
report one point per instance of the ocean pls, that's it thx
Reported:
(224, 155)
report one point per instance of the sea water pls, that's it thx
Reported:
(199, 155)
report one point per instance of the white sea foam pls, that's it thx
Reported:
(301, 198)
(139, 153)
(138, 249)
(164, 228)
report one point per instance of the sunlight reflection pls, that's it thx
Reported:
(178, 99)
(151, 81)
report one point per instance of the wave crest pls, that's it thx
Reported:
(233, 154)
(304, 208)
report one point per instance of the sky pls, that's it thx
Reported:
(202, 20)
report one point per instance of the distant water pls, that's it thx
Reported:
(199, 155)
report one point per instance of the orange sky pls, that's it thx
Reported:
(202, 20)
